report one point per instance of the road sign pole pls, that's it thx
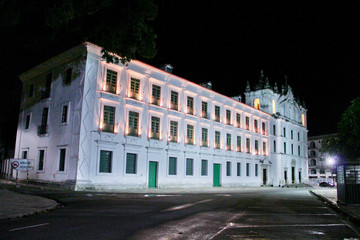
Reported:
(27, 175)
(17, 184)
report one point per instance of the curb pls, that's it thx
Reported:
(341, 211)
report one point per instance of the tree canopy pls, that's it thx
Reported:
(347, 142)
(118, 26)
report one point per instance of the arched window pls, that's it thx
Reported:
(273, 106)
(312, 144)
(313, 171)
(303, 119)
(312, 162)
(257, 103)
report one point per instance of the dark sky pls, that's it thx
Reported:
(315, 43)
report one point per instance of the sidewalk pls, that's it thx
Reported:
(14, 205)
(329, 196)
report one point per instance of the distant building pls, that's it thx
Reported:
(95, 125)
(320, 169)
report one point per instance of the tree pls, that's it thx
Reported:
(118, 26)
(347, 142)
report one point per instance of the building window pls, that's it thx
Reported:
(204, 167)
(131, 159)
(204, 137)
(190, 134)
(263, 128)
(108, 119)
(155, 128)
(105, 161)
(228, 169)
(173, 131)
(46, 92)
(299, 151)
(292, 149)
(274, 146)
(238, 144)
(68, 76)
(322, 171)
(174, 98)
(228, 117)
(247, 145)
(264, 148)
(27, 121)
(292, 134)
(62, 159)
(204, 113)
(238, 120)
(284, 132)
(134, 88)
(247, 169)
(156, 94)
(189, 166)
(217, 113)
(190, 105)
(256, 147)
(111, 78)
(312, 145)
(257, 103)
(312, 153)
(64, 114)
(24, 154)
(274, 130)
(172, 165)
(312, 162)
(42, 129)
(133, 124)
(247, 123)
(217, 139)
(41, 160)
(298, 136)
(256, 128)
(238, 169)
(285, 147)
(313, 171)
(228, 141)
(256, 170)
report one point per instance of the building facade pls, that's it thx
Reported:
(95, 125)
(321, 166)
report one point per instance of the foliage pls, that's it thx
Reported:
(347, 142)
(121, 27)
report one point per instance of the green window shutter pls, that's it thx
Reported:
(247, 169)
(264, 148)
(172, 166)
(155, 125)
(133, 123)
(204, 167)
(156, 94)
(190, 105)
(238, 119)
(190, 134)
(135, 85)
(248, 145)
(247, 123)
(204, 107)
(228, 168)
(131, 163)
(64, 114)
(228, 117)
(174, 100)
(173, 131)
(204, 137)
(62, 159)
(217, 113)
(238, 143)
(189, 166)
(228, 141)
(111, 78)
(105, 161)
(108, 119)
(238, 169)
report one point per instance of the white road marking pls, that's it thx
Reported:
(32, 226)
(234, 225)
(228, 225)
(160, 195)
(186, 205)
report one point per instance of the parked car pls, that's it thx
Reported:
(326, 184)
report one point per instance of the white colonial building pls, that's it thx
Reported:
(95, 125)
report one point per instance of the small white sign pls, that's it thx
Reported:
(22, 164)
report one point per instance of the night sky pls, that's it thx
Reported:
(315, 43)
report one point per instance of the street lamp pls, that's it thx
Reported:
(331, 162)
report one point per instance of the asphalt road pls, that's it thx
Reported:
(254, 213)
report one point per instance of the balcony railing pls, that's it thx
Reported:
(133, 132)
(174, 106)
(190, 110)
(173, 138)
(107, 127)
(204, 115)
(238, 149)
(155, 101)
(217, 145)
(134, 95)
(204, 143)
(110, 89)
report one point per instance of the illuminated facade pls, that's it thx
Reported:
(288, 131)
(95, 125)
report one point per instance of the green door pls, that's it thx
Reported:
(152, 174)
(216, 175)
